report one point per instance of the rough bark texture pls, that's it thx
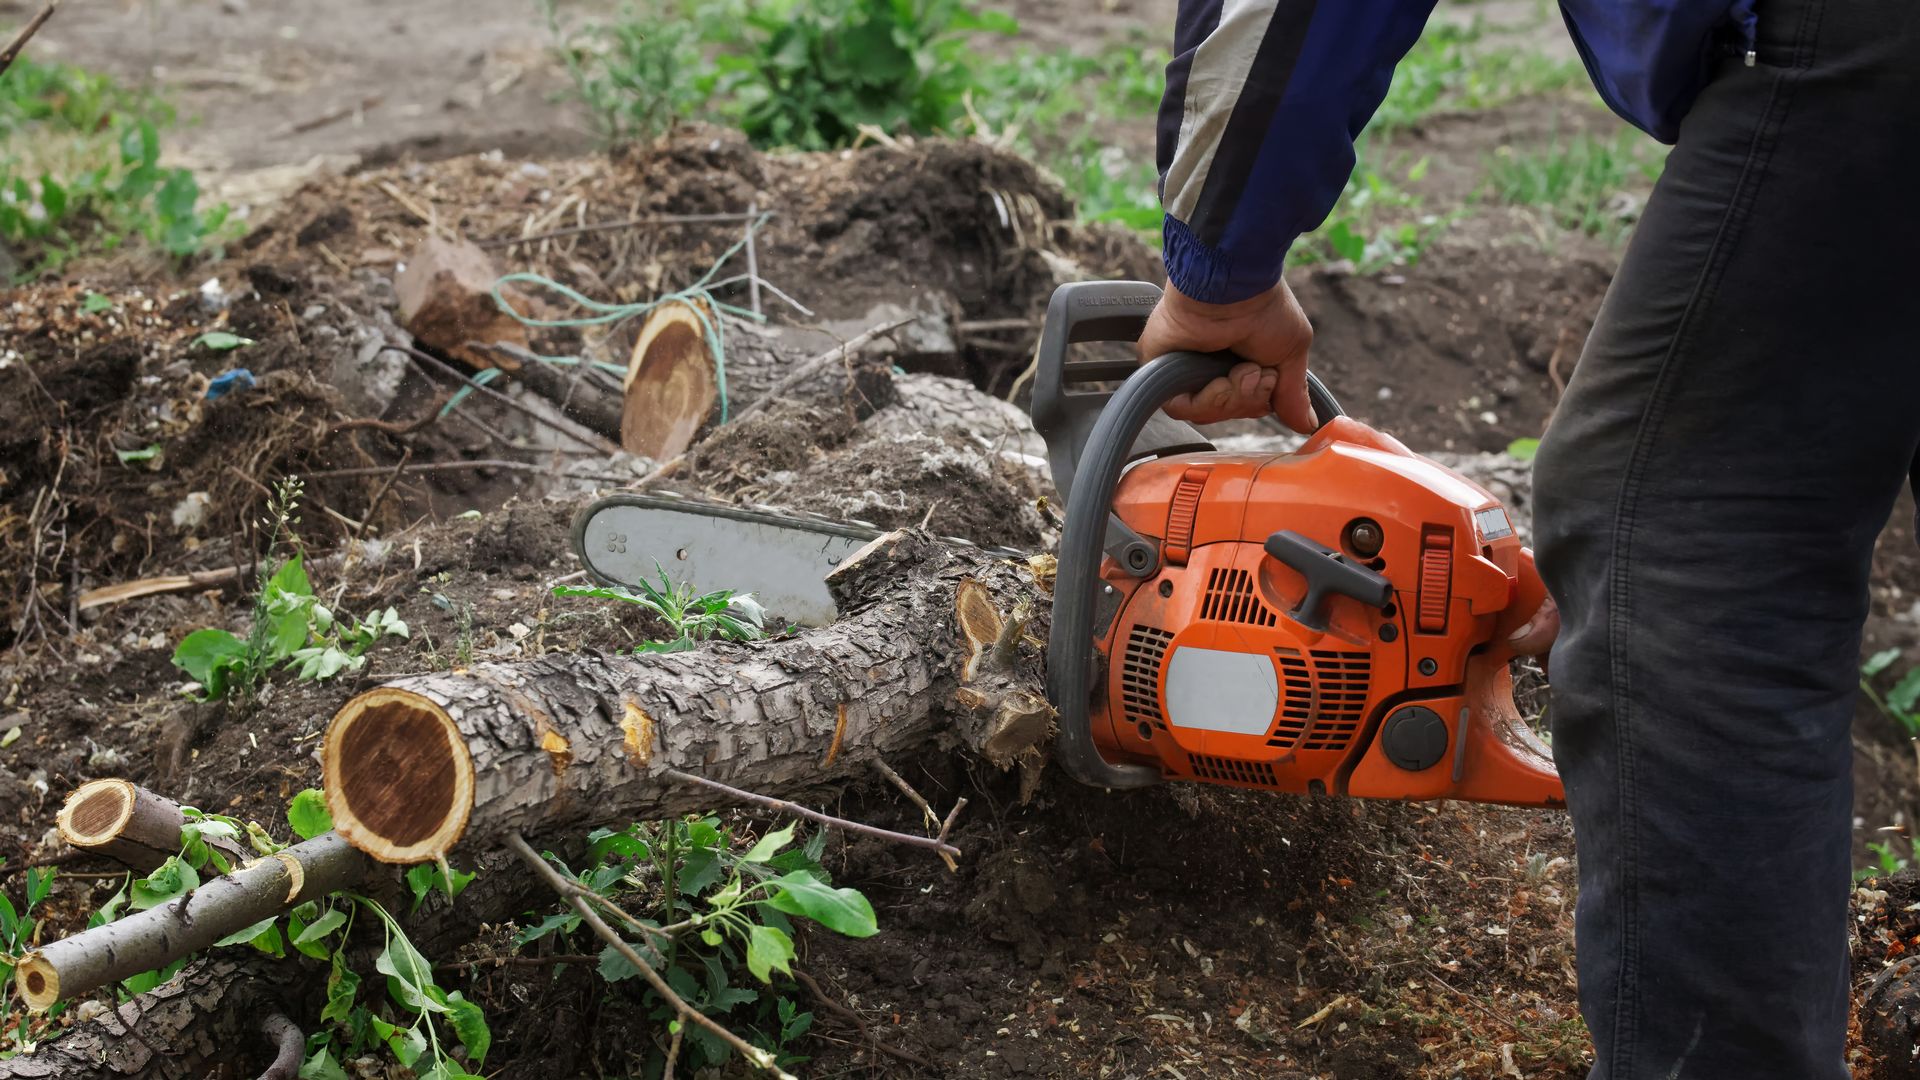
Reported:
(130, 825)
(154, 938)
(207, 1016)
(567, 742)
(935, 404)
(581, 397)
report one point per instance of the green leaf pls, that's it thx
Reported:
(604, 842)
(343, 986)
(843, 911)
(768, 950)
(1879, 662)
(146, 453)
(321, 927)
(307, 814)
(614, 965)
(1902, 698)
(204, 651)
(39, 884)
(247, 934)
(1523, 449)
(95, 303)
(291, 579)
(470, 1024)
(564, 921)
(321, 1066)
(173, 878)
(407, 1043)
(768, 845)
(410, 977)
(110, 910)
(222, 341)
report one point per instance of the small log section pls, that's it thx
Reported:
(152, 939)
(672, 398)
(130, 825)
(430, 764)
(214, 1013)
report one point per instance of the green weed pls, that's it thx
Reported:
(80, 171)
(1577, 179)
(637, 74)
(1888, 860)
(1452, 69)
(1901, 704)
(717, 910)
(691, 618)
(290, 624)
(1376, 224)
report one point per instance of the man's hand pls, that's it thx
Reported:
(1268, 331)
(1537, 637)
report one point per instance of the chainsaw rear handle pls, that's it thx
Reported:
(1109, 445)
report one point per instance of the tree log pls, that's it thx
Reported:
(673, 399)
(152, 939)
(209, 1014)
(429, 763)
(130, 825)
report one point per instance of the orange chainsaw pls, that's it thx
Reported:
(1330, 620)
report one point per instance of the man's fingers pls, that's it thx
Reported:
(1289, 401)
(1538, 635)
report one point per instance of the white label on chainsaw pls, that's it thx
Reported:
(1217, 690)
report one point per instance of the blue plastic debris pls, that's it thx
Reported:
(235, 379)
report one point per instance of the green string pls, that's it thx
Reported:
(694, 297)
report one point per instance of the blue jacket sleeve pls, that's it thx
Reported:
(1264, 99)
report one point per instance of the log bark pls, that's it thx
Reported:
(130, 825)
(209, 1014)
(152, 939)
(437, 763)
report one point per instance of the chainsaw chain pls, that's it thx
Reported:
(782, 515)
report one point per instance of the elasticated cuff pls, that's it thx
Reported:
(1209, 275)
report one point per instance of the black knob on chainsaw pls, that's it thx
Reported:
(1326, 571)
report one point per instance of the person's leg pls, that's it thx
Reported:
(1707, 500)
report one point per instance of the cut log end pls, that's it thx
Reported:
(96, 813)
(670, 384)
(398, 776)
(38, 983)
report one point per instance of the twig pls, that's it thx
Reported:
(460, 466)
(982, 326)
(906, 789)
(426, 216)
(857, 1020)
(938, 844)
(778, 391)
(373, 504)
(673, 1052)
(753, 264)
(1006, 648)
(284, 1034)
(686, 1012)
(26, 33)
(395, 427)
(607, 226)
(518, 961)
(589, 440)
(333, 115)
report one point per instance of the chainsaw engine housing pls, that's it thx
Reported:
(1321, 621)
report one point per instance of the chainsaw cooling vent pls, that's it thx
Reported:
(1230, 598)
(1140, 674)
(1323, 698)
(1258, 773)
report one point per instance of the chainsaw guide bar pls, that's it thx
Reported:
(781, 556)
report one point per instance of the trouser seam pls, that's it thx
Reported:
(1626, 1019)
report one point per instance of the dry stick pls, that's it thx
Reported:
(753, 264)
(473, 966)
(906, 789)
(284, 1034)
(777, 391)
(860, 1022)
(594, 441)
(26, 33)
(459, 466)
(373, 504)
(607, 226)
(333, 115)
(785, 807)
(686, 1012)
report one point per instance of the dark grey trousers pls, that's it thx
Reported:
(1733, 440)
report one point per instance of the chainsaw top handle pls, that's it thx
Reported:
(1094, 465)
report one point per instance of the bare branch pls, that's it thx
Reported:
(26, 34)
(785, 807)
